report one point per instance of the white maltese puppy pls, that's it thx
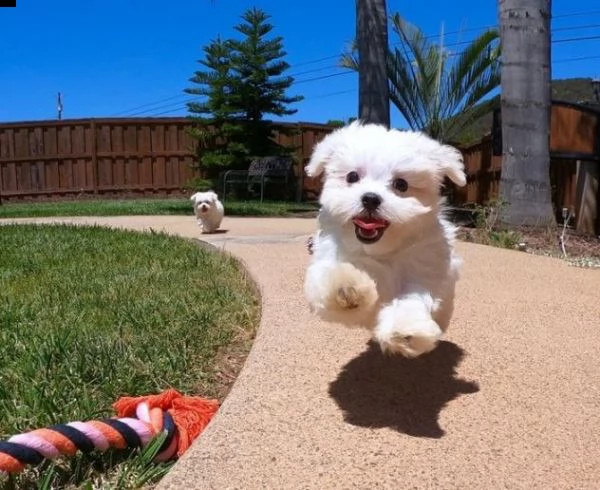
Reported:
(209, 210)
(383, 256)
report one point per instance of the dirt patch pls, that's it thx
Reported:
(228, 365)
(580, 249)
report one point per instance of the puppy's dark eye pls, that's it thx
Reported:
(352, 177)
(400, 185)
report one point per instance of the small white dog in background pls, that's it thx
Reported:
(209, 210)
(383, 257)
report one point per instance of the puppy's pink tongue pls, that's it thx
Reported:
(370, 223)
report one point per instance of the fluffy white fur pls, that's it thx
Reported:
(209, 210)
(401, 284)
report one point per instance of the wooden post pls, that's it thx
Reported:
(94, 156)
(588, 190)
(300, 166)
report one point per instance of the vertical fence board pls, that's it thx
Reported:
(105, 163)
(79, 168)
(51, 163)
(118, 161)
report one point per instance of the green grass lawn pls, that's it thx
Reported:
(88, 315)
(126, 207)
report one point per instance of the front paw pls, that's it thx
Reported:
(410, 339)
(350, 289)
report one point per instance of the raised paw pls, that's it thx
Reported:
(351, 289)
(348, 297)
(409, 340)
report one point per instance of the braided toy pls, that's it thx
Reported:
(139, 420)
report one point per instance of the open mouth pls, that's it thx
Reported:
(369, 229)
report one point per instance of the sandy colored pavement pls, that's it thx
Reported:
(510, 400)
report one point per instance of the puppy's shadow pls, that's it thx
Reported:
(216, 232)
(407, 395)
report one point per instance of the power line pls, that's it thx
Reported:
(584, 38)
(576, 14)
(313, 70)
(341, 92)
(472, 29)
(348, 72)
(323, 77)
(172, 104)
(333, 94)
(321, 96)
(337, 56)
(331, 67)
(575, 28)
(581, 58)
(151, 103)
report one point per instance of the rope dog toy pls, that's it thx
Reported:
(139, 420)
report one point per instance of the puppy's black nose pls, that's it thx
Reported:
(370, 201)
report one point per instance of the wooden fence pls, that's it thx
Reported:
(569, 178)
(115, 157)
(483, 170)
(574, 166)
(121, 157)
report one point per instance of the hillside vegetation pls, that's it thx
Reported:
(576, 90)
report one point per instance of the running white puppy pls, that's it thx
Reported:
(383, 257)
(209, 210)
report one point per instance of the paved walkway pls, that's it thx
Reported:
(510, 400)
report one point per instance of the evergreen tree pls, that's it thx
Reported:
(243, 81)
(259, 63)
(217, 115)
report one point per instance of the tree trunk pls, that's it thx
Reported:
(525, 103)
(372, 44)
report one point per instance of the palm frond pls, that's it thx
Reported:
(429, 86)
(405, 94)
(479, 59)
(349, 58)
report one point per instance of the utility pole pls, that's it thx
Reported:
(59, 106)
(596, 89)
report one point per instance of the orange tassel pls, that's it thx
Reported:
(191, 414)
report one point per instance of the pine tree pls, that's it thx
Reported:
(259, 63)
(217, 117)
(244, 82)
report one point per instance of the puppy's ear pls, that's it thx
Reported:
(193, 197)
(450, 162)
(320, 157)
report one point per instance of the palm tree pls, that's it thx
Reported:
(525, 105)
(437, 91)
(372, 42)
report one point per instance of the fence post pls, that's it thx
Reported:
(94, 156)
(300, 165)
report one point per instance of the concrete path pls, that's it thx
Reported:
(510, 400)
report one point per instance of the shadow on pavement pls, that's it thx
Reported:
(407, 395)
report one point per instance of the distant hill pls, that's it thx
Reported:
(576, 90)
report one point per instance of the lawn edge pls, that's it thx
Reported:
(246, 344)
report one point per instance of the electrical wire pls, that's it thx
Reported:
(153, 106)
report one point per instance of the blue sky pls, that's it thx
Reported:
(134, 58)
